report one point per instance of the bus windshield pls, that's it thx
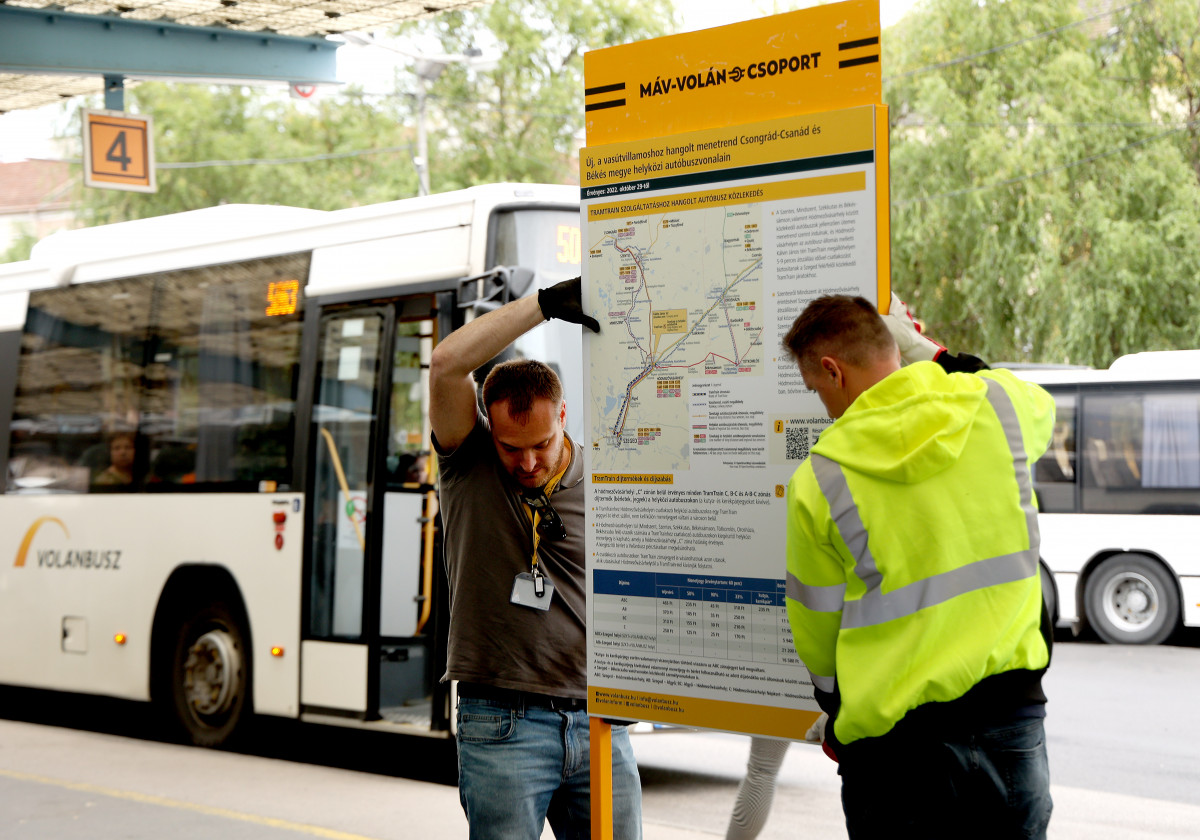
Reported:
(547, 241)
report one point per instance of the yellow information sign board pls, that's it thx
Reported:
(731, 176)
(118, 151)
(818, 59)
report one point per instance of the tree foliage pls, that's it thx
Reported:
(1156, 45)
(195, 124)
(516, 122)
(1041, 208)
(522, 120)
(21, 247)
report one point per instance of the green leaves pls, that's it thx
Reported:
(354, 150)
(523, 120)
(1042, 203)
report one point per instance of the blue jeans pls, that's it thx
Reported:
(521, 765)
(990, 782)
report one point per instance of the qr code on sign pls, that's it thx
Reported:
(796, 443)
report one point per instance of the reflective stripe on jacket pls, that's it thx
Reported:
(912, 543)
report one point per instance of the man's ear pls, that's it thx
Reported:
(831, 368)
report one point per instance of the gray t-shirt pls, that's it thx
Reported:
(488, 542)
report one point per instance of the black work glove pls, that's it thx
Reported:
(564, 301)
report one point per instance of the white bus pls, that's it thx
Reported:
(213, 448)
(1119, 495)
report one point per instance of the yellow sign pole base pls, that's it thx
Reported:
(600, 735)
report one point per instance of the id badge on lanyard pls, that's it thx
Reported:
(533, 589)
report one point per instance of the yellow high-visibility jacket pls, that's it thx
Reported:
(912, 544)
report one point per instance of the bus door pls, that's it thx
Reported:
(410, 658)
(337, 665)
(369, 641)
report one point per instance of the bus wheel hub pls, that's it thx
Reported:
(211, 672)
(1133, 600)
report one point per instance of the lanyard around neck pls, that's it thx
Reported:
(533, 516)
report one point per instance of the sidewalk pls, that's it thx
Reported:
(55, 782)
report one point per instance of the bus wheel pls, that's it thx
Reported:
(209, 675)
(1049, 595)
(1131, 600)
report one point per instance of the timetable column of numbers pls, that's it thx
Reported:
(787, 644)
(741, 634)
(668, 618)
(622, 613)
(716, 639)
(691, 605)
(764, 624)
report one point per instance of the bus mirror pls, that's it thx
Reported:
(495, 288)
(519, 281)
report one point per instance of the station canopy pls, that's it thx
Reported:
(50, 51)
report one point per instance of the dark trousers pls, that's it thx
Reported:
(987, 783)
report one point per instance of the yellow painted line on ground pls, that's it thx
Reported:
(146, 799)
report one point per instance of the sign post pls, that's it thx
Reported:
(600, 769)
(731, 176)
(118, 151)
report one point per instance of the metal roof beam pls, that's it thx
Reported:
(41, 41)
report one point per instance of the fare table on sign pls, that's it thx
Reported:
(734, 620)
(731, 176)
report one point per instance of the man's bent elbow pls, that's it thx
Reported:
(442, 369)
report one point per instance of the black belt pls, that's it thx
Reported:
(476, 691)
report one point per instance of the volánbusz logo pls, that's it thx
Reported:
(27, 540)
(71, 558)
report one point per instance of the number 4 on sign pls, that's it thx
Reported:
(118, 151)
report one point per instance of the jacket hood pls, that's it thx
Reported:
(909, 426)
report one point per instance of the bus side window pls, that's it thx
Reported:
(1143, 452)
(78, 384)
(188, 376)
(408, 463)
(1112, 433)
(1171, 452)
(1055, 473)
(221, 376)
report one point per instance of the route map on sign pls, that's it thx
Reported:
(683, 296)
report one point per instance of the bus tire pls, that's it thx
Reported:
(210, 675)
(1049, 595)
(1132, 600)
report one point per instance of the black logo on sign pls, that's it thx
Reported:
(607, 100)
(863, 59)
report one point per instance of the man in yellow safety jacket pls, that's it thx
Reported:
(913, 585)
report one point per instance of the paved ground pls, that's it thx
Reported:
(63, 784)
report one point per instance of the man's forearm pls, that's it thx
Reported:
(478, 342)
(452, 390)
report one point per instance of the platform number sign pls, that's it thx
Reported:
(118, 151)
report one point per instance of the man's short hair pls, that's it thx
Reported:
(522, 382)
(845, 327)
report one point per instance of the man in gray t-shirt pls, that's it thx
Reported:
(512, 498)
